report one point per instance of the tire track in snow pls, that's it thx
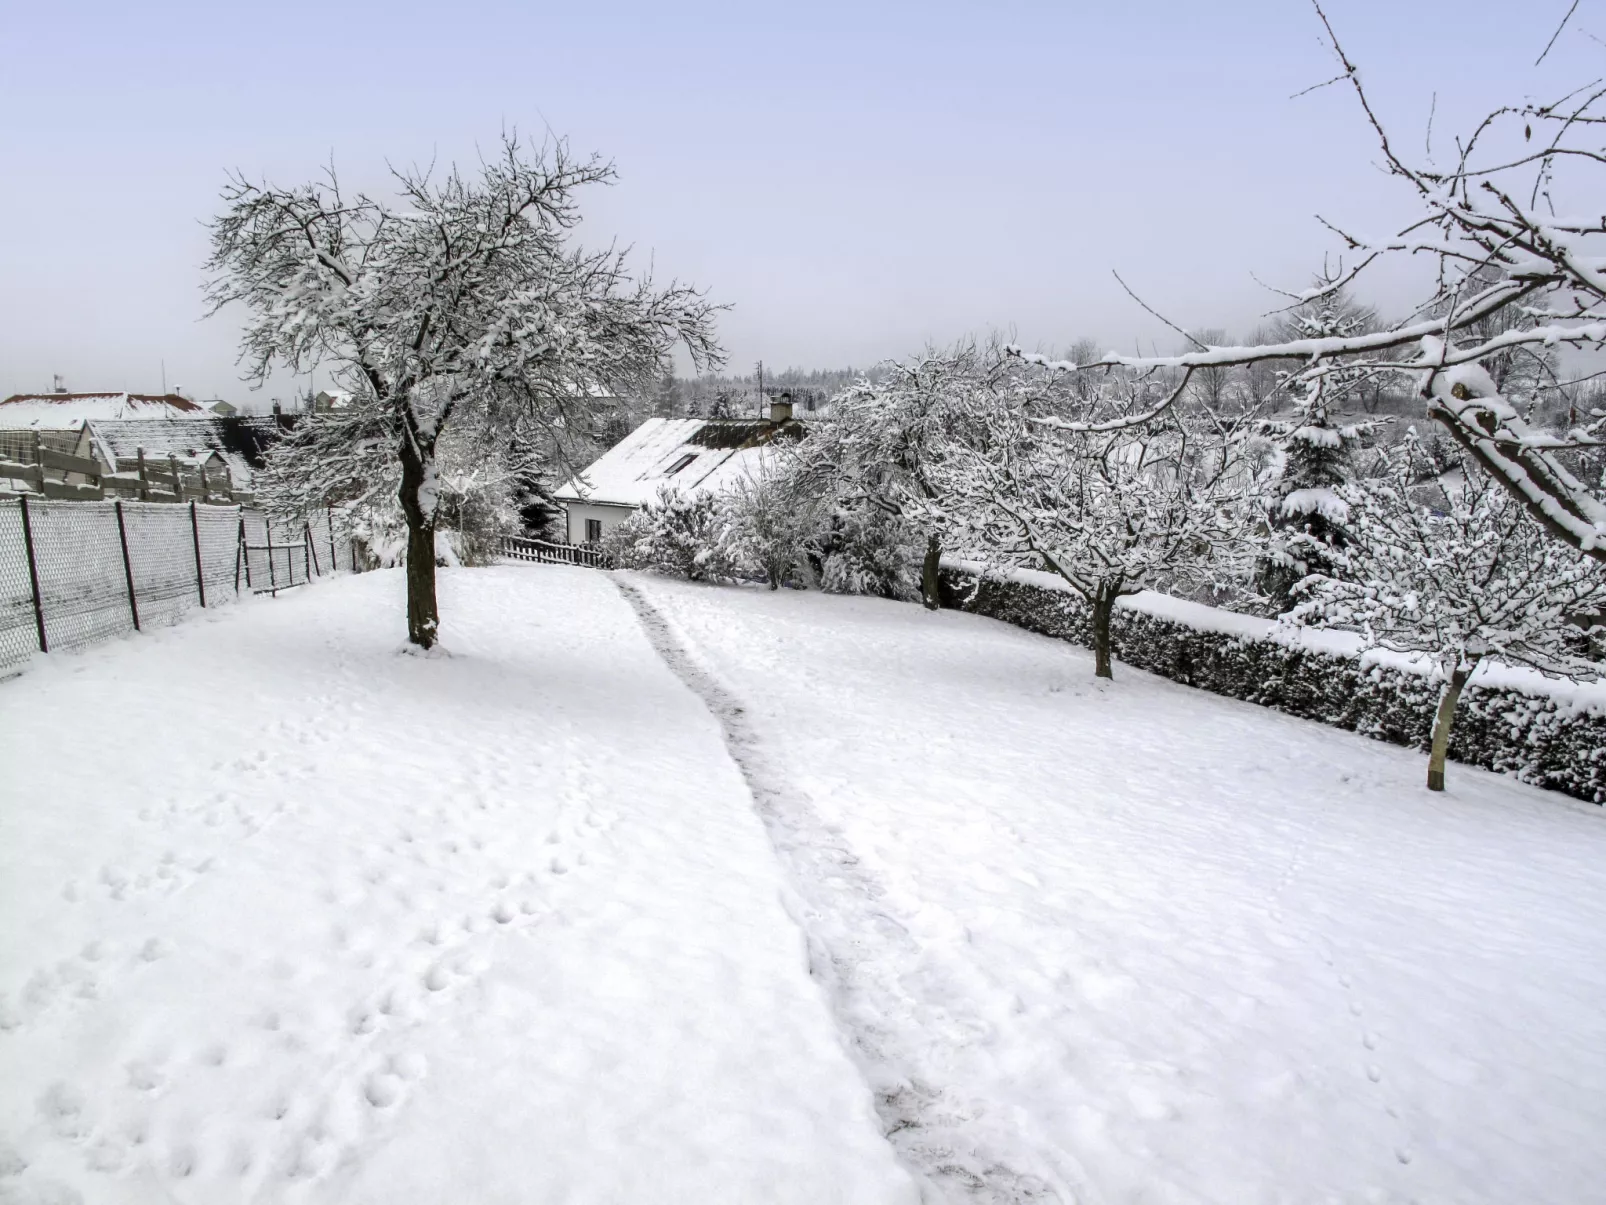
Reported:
(961, 1148)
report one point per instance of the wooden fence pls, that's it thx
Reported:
(588, 556)
(64, 476)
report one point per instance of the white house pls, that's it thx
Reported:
(688, 455)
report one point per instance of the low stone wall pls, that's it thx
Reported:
(1543, 737)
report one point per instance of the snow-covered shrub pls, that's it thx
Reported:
(1537, 737)
(767, 524)
(678, 535)
(864, 550)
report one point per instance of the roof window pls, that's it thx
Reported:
(680, 464)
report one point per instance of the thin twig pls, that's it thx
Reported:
(1157, 314)
(1557, 34)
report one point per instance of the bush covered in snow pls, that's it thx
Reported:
(681, 536)
(864, 550)
(768, 526)
(1538, 737)
(776, 528)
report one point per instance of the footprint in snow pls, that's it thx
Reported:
(61, 1106)
(382, 1090)
(363, 1023)
(214, 1055)
(145, 1077)
(42, 1192)
(106, 1155)
(11, 1161)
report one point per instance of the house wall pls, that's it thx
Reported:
(579, 512)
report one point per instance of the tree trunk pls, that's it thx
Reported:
(423, 616)
(1442, 723)
(928, 574)
(1103, 604)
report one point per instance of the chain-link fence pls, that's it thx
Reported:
(72, 573)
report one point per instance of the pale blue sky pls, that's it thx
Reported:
(855, 179)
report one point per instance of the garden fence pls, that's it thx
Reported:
(74, 573)
(519, 548)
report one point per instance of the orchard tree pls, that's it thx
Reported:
(886, 441)
(1458, 576)
(1112, 508)
(460, 300)
(1510, 224)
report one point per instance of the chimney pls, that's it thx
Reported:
(781, 409)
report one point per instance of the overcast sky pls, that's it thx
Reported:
(855, 179)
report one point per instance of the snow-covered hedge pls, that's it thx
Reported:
(1549, 733)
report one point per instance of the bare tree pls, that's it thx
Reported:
(1506, 240)
(1113, 509)
(461, 299)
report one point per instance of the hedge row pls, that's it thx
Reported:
(1538, 738)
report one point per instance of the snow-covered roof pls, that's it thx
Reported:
(69, 411)
(241, 440)
(690, 455)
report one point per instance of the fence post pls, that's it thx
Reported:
(306, 535)
(128, 565)
(241, 556)
(200, 573)
(329, 517)
(273, 577)
(33, 575)
(178, 482)
(144, 487)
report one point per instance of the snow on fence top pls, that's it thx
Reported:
(1567, 695)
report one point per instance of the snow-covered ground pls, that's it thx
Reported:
(290, 917)
(654, 892)
(1120, 942)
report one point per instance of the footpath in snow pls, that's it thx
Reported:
(1130, 942)
(291, 917)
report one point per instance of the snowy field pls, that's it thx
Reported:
(661, 893)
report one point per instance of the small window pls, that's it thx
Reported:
(593, 530)
(680, 464)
